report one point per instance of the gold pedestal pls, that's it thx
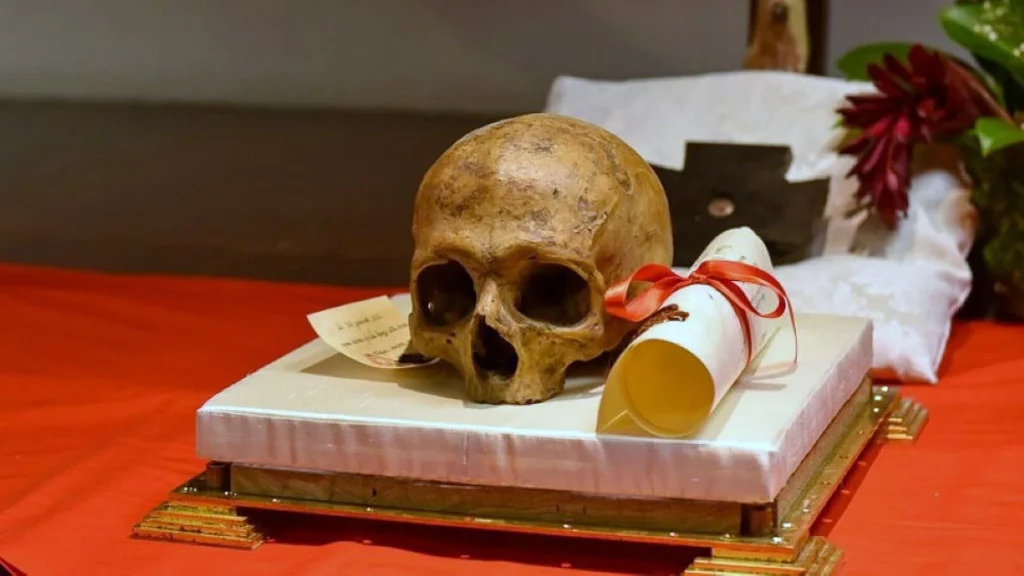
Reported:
(743, 538)
(199, 524)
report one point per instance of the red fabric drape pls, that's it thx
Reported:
(100, 376)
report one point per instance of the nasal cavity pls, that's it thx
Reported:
(492, 354)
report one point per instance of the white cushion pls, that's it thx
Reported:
(317, 410)
(910, 281)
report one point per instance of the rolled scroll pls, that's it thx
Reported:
(690, 351)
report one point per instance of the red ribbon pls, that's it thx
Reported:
(722, 275)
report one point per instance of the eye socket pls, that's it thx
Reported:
(445, 293)
(554, 294)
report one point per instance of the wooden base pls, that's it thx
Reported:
(769, 538)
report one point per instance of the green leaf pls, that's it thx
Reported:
(995, 134)
(996, 79)
(854, 64)
(993, 30)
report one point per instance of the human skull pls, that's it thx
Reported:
(519, 228)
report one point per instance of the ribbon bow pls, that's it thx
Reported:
(722, 275)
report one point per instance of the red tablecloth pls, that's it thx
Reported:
(100, 377)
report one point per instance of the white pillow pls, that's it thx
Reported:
(910, 303)
(910, 281)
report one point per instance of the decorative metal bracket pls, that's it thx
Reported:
(905, 422)
(818, 558)
(199, 524)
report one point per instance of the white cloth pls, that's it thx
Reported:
(910, 281)
(315, 409)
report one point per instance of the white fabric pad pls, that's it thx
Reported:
(315, 409)
(910, 281)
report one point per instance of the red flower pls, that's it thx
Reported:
(930, 97)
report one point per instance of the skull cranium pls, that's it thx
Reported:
(519, 228)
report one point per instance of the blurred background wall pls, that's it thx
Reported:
(451, 55)
(303, 194)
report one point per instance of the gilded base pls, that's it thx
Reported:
(775, 538)
(207, 524)
(817, 558)
(905, 422)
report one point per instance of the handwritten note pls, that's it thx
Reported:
(372, 332)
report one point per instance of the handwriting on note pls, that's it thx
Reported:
(372, 332)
